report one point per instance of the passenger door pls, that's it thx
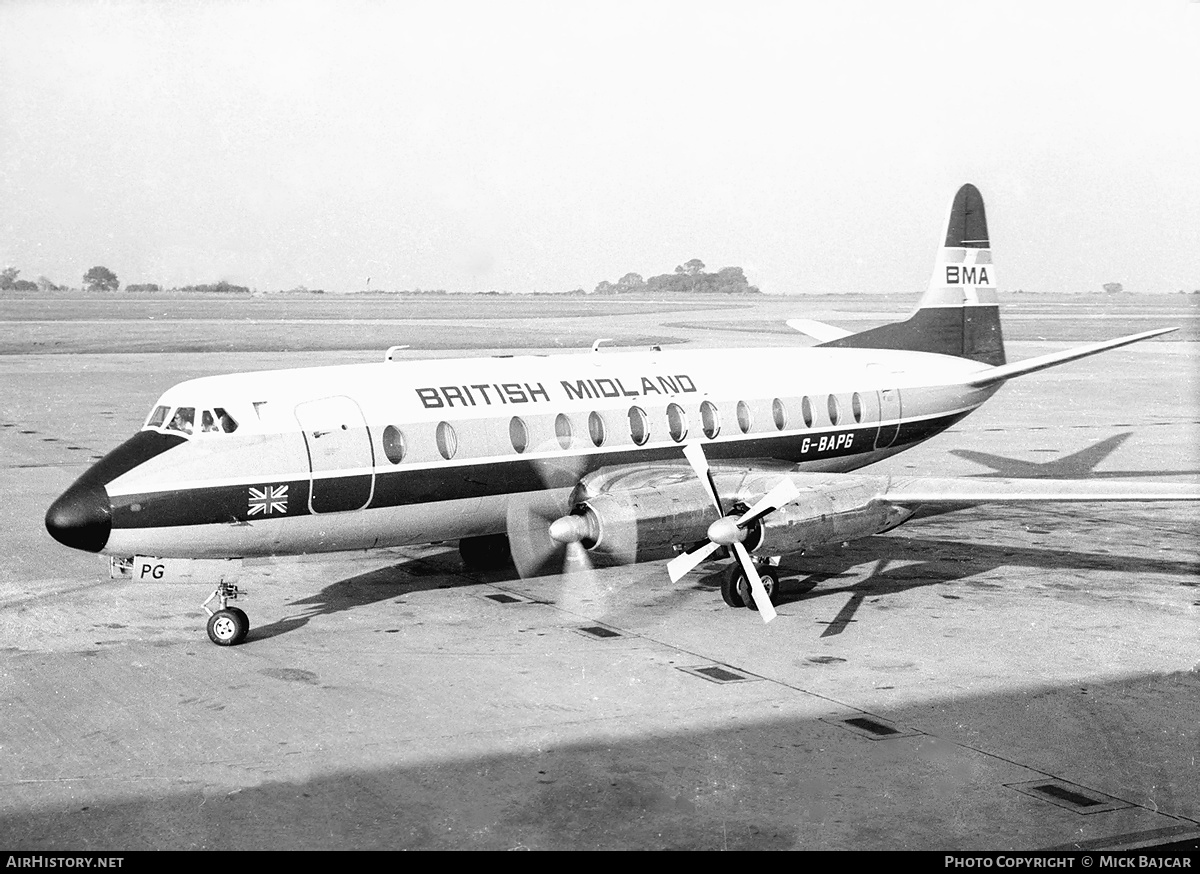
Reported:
(340, 455)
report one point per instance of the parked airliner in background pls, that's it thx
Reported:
(622, 455)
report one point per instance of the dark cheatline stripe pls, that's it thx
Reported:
(405, 487)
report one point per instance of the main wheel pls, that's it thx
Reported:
(485, 553)
(228, 627)
(770, 581)
(731, 587)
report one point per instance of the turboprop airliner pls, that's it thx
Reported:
(600, 455)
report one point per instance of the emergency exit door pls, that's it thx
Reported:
(889, 409)
(341, 458)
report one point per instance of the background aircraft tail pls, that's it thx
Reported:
(958, 315)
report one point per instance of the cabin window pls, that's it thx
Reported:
(806, 411)
(183, 420)
(835, 410)
(856, 407)
(393, 444)
(710, 420)
(745, 420)
(779, 414)
(639, 428)
(596, 428)
(562, 430)
(518, 434)
(158, 417)
(447, 440)
(677, 422)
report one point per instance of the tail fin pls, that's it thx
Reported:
(959, 314)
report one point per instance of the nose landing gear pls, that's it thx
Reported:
(227, 626)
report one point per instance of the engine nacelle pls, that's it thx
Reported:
(628, 515)
(629, 525)
(843, 509)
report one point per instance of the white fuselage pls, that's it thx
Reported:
(403, 452)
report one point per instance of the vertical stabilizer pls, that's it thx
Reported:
(958, 314)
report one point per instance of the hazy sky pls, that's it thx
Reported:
(523, 146)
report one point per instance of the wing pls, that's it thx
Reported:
(992, 490)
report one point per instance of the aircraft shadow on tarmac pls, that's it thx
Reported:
(907, 563)
(373, 587)
(1078, 465)
(902, 563)
(764, 783)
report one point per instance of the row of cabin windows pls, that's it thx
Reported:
(396, 448)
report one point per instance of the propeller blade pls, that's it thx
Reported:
(761, 599)
(694, 453)
(576, 559)
(771, 501)
(529, 517)
(681, 565)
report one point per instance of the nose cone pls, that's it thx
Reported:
(81, 518)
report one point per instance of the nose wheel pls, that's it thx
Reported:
(227, 626)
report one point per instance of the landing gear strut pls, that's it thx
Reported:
(227, 626)
(735, 588)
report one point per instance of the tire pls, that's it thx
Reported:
(731, 586)
(485, 553)
(228, 627)
(770, 581)
(241, 614)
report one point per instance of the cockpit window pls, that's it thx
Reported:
(158, 417)
(227, 421)
(222, 421)
(183, 420)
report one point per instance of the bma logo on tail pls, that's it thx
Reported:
(969, 274)
(964, 264)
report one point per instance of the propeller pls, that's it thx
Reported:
(546, 534)
(730, 531)
(535, 552)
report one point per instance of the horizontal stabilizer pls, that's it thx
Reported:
(974, 490)
(819, 331)
(1007, 371)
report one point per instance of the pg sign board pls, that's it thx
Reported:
(147, 569)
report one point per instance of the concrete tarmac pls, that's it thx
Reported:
(998, 678)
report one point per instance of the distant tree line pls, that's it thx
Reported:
(101, 279)
(10, 282)
(688, 278)
(221, 287)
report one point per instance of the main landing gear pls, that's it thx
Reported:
(227, 626)
(735, 588)
(487, 553)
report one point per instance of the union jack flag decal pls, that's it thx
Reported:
(268, 500)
